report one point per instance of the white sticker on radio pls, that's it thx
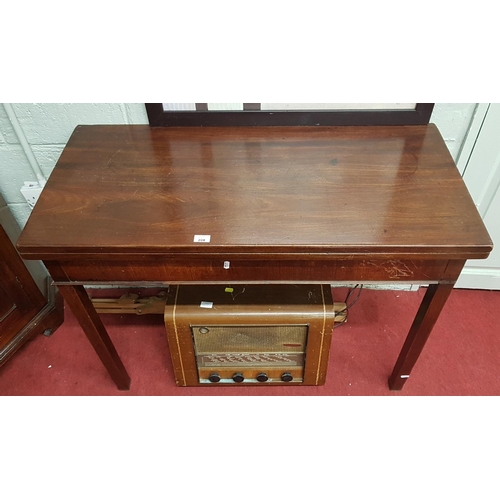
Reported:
(206, 305)
(202, 238)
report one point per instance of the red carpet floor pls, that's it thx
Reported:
(462, 355)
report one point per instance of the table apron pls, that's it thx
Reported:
(164, 270)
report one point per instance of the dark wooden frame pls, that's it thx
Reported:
(251, 115)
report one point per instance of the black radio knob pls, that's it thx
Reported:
(214, 377)
(262, 377)
(286, 377)
(238, 377)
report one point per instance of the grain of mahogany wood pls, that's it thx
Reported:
(122, 189)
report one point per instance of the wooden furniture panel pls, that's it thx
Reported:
(24, 311)
(12, 317)
(163, 270)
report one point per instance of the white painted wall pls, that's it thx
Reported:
(453, 121)
(47, 127)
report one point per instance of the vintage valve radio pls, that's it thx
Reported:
(249, 334)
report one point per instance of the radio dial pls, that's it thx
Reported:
(286, 377)
(238, 377)
(262, 377)
(214, 377)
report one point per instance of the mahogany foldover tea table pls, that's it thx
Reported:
(139, 205)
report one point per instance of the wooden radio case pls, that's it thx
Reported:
(249, 334)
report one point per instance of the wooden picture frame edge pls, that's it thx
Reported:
(157, 117)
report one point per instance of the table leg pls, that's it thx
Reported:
(427, 315)
(433, 302)
(82, 307)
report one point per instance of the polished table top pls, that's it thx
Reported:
(133, 189)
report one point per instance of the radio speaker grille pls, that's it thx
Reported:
(248, 338)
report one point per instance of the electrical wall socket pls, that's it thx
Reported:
(31, 192)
